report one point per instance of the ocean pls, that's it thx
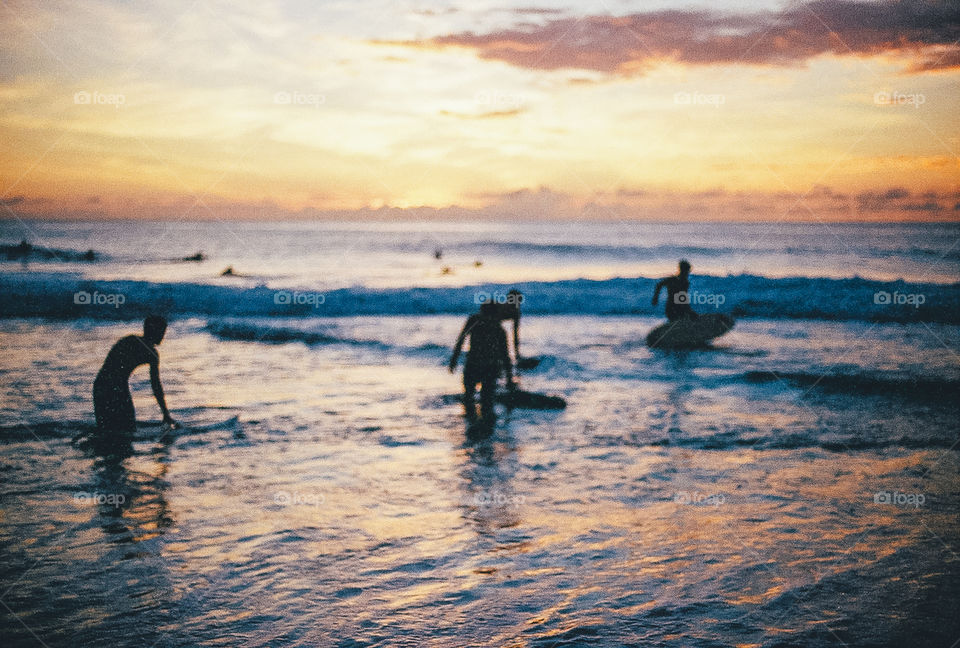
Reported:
(797, 483)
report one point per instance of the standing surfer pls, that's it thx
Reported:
(678, 293)
(487, 359)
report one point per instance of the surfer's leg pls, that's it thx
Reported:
(100, 405)
(488, 391)
(470, 380)
(116, 420)
(113, 408)
(127, 415)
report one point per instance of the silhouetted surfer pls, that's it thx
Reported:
(24, 251)
(678, 294)
(487, 359)
(112, 403)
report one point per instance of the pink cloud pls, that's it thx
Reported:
(630, 45)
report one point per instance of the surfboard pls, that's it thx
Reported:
(150, 430)
(689, 333)
(528, 362)
(520, 399)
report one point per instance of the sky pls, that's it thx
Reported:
(593, 109)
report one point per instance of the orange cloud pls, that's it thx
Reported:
(494, 114)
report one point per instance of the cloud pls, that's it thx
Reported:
(946, 60)
(928, 206)
(821, 203)
(899, 199)
(926, 32)
(493, 114)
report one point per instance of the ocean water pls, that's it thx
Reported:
(797, 484)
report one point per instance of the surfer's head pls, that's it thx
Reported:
(684, 267)
(510, 308)
(154, 326)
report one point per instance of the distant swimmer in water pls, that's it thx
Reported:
(487, 359)
(228, 272)
(25, 251)
(678, 294)
(438, 254)
(112, 403)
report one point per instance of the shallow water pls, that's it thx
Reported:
(707, 498)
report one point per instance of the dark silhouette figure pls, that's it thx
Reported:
(510, 310)
(112, 403)
(487, 359)
(678, 294)
(25, 251)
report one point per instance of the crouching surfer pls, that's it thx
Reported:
(112, 403)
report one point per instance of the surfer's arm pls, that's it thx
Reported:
(158, 391)
(458, 346)
(516, 336)
(505, 360)
(656, 291)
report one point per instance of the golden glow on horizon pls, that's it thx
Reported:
(374, 125)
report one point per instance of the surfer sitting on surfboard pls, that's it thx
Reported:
(487, 359)
(112, 403)
(678, 293)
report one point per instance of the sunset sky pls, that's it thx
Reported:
(201, 109)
